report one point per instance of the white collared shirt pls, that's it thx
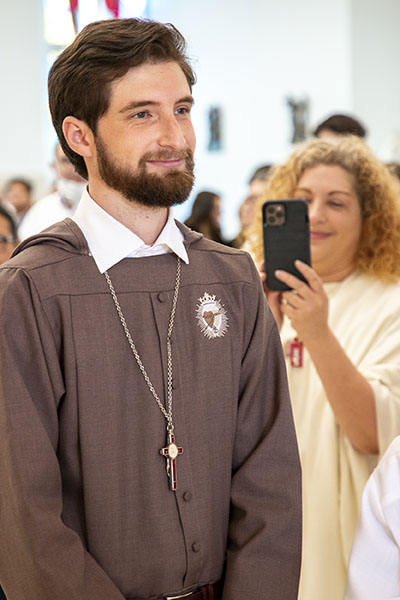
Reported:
(109, 241)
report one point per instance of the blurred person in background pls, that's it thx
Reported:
(394, 168)
(18, 193)
(258, 180)
(205, 216)
(246, 215)
(8, 235)
(58, 205)
(257, 186)
(340, 333)
(336, 126)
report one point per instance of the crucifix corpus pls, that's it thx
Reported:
(170, 452)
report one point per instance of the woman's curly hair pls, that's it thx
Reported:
(378, 192)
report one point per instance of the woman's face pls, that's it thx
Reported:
(6, 247)
(215, 213)
(335, 219)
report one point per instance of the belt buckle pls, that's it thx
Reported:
(178, 596)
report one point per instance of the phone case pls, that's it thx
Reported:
(285, 240)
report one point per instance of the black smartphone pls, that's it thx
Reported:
(286, 235)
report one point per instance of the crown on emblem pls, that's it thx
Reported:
(207, 298)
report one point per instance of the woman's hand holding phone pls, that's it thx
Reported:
(306, 305)
(297, 291)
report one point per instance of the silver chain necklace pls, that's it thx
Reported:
(171, 450)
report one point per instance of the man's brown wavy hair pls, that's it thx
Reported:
(378, 252)
(80, 79)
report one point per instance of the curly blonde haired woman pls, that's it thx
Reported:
(341, 335)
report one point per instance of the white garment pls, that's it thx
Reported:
(374, 568)
(42, 214)
(109, 241)
(364, 315)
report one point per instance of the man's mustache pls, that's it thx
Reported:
(167, 155)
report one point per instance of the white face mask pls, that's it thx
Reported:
(70, 190)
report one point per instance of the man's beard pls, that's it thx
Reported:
(146, 188)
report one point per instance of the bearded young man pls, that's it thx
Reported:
(146, 434)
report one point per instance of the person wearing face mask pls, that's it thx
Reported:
(340, 334)
(58, 205)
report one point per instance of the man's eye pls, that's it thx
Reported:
(183, 110)
(140, 115)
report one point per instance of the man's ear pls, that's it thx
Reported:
(79, 136)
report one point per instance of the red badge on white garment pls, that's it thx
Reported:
(296, 353)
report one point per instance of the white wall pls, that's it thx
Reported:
(376, 68)
(249, 56)
(23, 105)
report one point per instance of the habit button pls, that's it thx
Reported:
(162, 296)
(196, 546)
(187, 496)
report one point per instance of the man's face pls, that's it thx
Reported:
(145, 141)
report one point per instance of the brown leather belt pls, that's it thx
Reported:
(205, 592)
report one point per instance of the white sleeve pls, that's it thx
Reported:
(374, 567)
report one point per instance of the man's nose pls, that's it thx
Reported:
(171, 133)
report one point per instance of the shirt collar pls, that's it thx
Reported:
(109, 241)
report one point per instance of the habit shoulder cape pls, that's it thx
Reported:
(85, 508)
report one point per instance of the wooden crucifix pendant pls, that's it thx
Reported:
(170, 452)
